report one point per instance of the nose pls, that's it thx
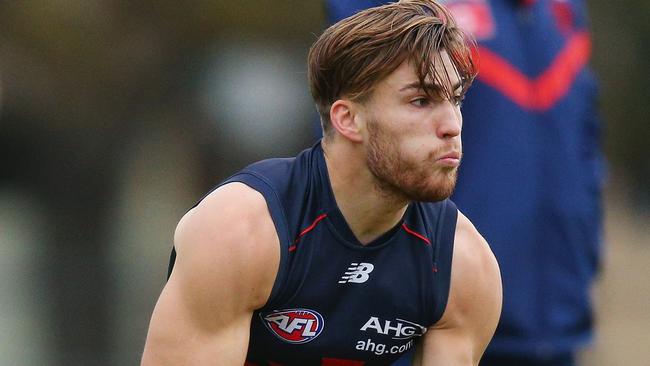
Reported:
(450, 121)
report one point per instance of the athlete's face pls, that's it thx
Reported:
(413, 140)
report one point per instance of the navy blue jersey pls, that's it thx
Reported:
(532, 164)
(336, 301)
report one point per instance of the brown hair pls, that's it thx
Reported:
(353, 55)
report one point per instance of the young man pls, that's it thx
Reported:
(535, 83)
(350, 253)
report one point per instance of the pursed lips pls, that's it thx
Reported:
(451, 159)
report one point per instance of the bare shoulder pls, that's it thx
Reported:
(473, 307)
(474, 267)
(229, 239)
(226, 262)
(475, 295)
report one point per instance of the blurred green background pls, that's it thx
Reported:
(115, 116)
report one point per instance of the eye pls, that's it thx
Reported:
(458, 100)
(420, 102)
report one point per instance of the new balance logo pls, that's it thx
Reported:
(357, 273)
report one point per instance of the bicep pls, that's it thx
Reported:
(474, 306)
(182, 333)
(227, 255)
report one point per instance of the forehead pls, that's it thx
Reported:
(406, 74)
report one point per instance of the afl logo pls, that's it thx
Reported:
(295, 326)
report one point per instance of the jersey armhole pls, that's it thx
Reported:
(276, 210)
(445, 234)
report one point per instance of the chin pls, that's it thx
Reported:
(432, 195)
(434, 189)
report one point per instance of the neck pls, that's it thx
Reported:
(368, 210)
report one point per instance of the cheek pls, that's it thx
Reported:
(413, 150)
(406, 134)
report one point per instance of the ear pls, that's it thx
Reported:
(345, 121)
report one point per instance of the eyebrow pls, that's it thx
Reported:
(428, 86)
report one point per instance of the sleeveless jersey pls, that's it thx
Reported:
(335, 301)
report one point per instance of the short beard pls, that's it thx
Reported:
(401, 178)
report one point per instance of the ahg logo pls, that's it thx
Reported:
(398, 329)
(357, 273)
(295, 326)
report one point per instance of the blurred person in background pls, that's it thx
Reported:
(531, 137)
(349, 252)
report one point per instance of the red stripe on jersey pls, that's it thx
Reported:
(305, 231)
(417, 235)
(556, 81)
(543, 92)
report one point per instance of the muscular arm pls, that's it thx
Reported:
(474, 306)
(227, 259)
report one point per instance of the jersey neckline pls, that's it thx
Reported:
(336, 221)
